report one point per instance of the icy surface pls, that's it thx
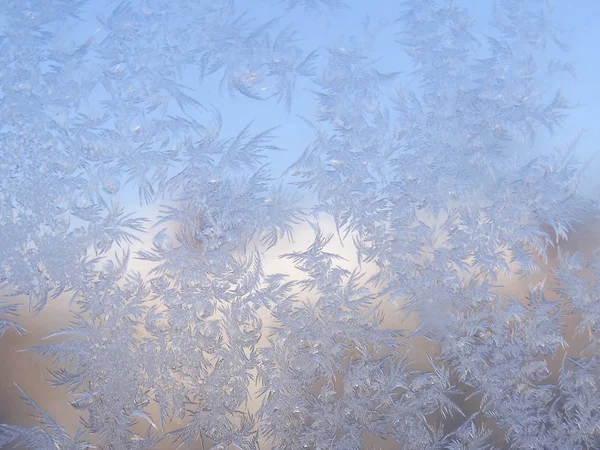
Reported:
(295, 224)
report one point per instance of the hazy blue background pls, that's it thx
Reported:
(582, 18)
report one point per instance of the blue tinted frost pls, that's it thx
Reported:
(350, 301)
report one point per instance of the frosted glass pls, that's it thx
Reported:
(299, 224)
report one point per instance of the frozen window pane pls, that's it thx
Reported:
(298, 224)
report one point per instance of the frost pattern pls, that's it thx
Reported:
(179, 337)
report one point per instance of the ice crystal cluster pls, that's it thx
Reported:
(415, 131)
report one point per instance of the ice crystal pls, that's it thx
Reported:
(138, 180)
